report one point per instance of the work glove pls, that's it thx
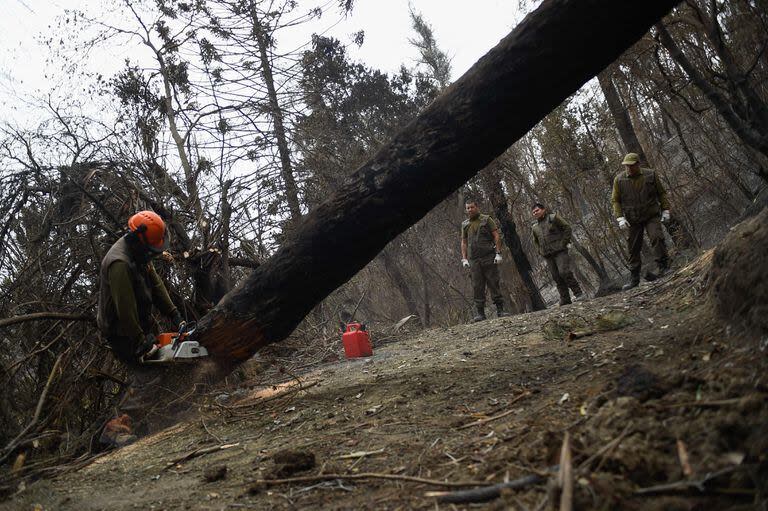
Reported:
(623, 224)
(147, 347)
(465, 263)
(665, 216)
(497, 259)
(177, 320)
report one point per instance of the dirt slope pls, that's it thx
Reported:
(685, 394)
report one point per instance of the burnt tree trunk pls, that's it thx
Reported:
(620, 115)
(604, 284)
(512, 239)
(392, 267)
(426, 296)
(496, 102)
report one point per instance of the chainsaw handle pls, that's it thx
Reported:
(187, 327)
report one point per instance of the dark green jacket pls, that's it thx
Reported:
(127, 292)
(638, 198)
(551, 234)
(479, 236)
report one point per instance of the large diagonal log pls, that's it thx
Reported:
(552, 53)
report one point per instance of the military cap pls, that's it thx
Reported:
(630, 159)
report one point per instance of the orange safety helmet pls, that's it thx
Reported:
(151, 230)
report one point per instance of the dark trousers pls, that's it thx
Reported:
(485, 273)
(635, 243)
(140, 397)
(559, 265)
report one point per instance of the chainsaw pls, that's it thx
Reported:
(173, 347)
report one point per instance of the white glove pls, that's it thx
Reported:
(623, 224)
(465, 263)
(497, 259)
(665, 216)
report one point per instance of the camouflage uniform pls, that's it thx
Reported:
(552, 235)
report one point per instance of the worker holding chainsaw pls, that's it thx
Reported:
(129, 288)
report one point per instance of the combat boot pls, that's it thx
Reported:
(663, 268)
(634, 281)
(500, 313)
(574, 286)
(479, 313)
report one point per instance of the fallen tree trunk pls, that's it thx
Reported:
(554, 51)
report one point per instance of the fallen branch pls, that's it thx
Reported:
(360, 454)
(277, 395)
(13, 443)
(31, 472)
(682, 456)
(366, 475)
(699, 485)
(496, 417)
(607, 448)
(486, 493)
(205, 427)
(36, 316)
(199, 452)
(572, 336)
(714, 403)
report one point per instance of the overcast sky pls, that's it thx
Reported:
(465, 33)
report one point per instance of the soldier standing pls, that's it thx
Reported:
(640, 204)
(552, 235)
(481, 253)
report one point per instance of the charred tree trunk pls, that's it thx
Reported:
(426, 296)
(392, 267)
(620, 116)
(604, 284)
(496, 102)
(512, 239)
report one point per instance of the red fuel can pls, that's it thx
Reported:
(357, 342)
